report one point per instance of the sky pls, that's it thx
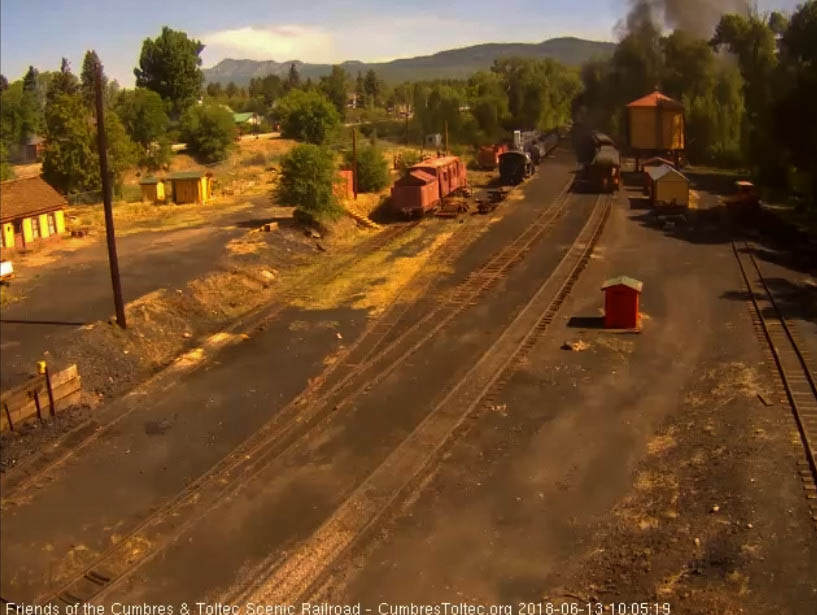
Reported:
(41, 32)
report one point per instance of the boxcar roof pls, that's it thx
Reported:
(624, 280)
(436, 162)
(422, 176)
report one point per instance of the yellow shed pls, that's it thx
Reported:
(191, 186)
(668, 186)
(153, 189)
(30, 211)
(656, 123)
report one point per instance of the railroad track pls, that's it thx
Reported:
(297, 576)
(353, 374)
(29, 475)
(798, 378)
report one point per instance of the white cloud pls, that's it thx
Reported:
(281, 43)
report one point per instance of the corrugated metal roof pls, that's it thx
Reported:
(656, 99)
(28, 196)
(240, 118)
(660, 172)
(187, 174)
(624, 280)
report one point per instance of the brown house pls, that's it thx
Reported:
(30, 211)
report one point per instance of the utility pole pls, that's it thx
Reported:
(354, 161)
(102, 145)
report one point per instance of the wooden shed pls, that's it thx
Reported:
(668, 186)
(621, 296)
(655, 124)
(191, 186)
(30, 211)
(153, 189)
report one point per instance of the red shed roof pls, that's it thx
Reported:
(27, 196)
(624, 280)
(656, 99)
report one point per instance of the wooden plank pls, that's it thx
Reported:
(66, 387)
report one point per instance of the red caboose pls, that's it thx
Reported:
(426, 184)
(621, 302)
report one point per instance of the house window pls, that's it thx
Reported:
(52, 225)
(35, 227)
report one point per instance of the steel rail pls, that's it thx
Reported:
(272, 439)
(789, 359)
(290, 579)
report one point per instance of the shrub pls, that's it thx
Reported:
(307, 181)
(372, 169)
(209, 132)
(307, 116)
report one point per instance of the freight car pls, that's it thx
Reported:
(514, 167)
(426, 184)
(604, 172)
(488, 155)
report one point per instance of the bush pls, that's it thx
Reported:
(407, 159)
(307, 181)
(307, 116)
(209, 132)
(256, 159)
(372, 169)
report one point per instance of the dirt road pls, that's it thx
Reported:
(76, 285)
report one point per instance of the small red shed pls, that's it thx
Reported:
(621, 296)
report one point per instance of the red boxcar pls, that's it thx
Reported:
(488, 155)
(426, 184)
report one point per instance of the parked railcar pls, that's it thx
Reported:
(488, 155)
(514, 167)
(426, 184)
(604, 171)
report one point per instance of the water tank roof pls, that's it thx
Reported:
(656, 99)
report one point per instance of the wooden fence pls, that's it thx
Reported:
(32, 399)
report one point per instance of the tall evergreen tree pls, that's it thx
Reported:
(170, 66)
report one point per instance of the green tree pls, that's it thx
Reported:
(231, 90)
(6, 171)
(70, 158)
(143, 114)
(268, 88)
(307, 116)
(372, 169)
(170, 66)
(372, 87)
(4, 83)
(209, 131)
(122, 151)
(308, 178)
(214, 89)
(88, 78)
(293, 78)
(334, 87)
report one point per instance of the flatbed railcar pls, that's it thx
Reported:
(426, 184)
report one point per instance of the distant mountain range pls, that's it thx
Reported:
(450, 64)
